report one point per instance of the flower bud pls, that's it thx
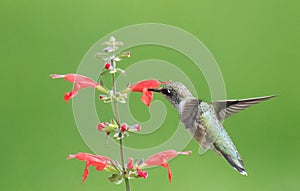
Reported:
(100, 127)
(107, 66)
(102, 89)
(142, 174)
(123, 127)
(129, 164)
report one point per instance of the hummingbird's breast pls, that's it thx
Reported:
(209, 121)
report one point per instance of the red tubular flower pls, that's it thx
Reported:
(100, 162)
(161, 159)
(79, 81)
(143, 87)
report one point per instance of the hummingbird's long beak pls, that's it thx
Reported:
(155, 89)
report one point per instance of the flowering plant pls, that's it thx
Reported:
(119, 130)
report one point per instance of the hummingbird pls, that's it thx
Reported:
(204, 120)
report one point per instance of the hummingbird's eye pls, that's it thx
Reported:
(166, 91)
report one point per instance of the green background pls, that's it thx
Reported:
(256, 44)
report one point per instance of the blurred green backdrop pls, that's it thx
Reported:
(256, 44)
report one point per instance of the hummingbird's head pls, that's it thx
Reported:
(175, 92)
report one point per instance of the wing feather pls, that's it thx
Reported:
(226, 108)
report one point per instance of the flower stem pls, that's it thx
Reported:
(116, 112)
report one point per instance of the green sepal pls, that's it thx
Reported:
(111, 168)
(116, 178)
(102, 89)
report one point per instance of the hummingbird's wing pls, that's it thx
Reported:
(190, 114)
(188, 111)
(226, 108)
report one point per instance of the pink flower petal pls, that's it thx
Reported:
(170, 174)
(147, 97)
(79, 81)
(160, 158)
(138, 87)
(85, 173)
(70, 95)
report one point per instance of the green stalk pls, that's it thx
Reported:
(116, 112)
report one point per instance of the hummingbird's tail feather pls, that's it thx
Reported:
(235, 162)
(236, 165)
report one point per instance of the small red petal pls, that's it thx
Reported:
(147, 97)
(138, 127)
(68, 96)
(85, 173)
(169, 174)
(166, 165)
